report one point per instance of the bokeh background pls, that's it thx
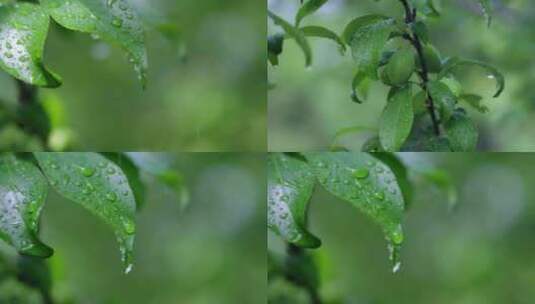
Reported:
(206, 83)
(212, 251)
(479, 252)
(308, 106)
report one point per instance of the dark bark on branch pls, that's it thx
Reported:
(410, 17)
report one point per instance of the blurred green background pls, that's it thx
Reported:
(308, 106)
(213, 251)
(479, 253)
(206, 86)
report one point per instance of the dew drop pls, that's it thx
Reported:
(129, 226)
(128, 268)
(117, 22)
(379, 195)
(361, 173)
(87, 172)
(112, 197)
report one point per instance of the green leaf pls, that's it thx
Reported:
(492, 72)
(294, 33)
(474, 101)
(100, 186)
(401, 173)
(23, 31)
(420, 29)
(358, 80)
(369, 185)
(396, 120)
(322, 32)
(443, 97)
(113, 20)
(290, 185)
(132, 174)
(307, 9)
(23, 191)
(367, 37)
(462, 133)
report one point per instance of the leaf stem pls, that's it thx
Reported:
(410, 17)
(27, 98)
(295, 252)
(27, 93)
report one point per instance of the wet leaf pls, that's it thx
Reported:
(462, 133)
(397, 120)
(367, 37)
(294, 33)
(132, 173)
(23, 191)
(369, 185)
(23, 31)
(308, 8)
(322, 32)
(112, 20)
(98, 185)
(443, 97)
(290, 185)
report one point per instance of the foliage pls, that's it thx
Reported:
(24, 29)
(108, 185)
(377, 184)
(425, 107)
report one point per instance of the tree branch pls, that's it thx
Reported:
(410, 17)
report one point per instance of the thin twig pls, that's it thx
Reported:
(410, 17)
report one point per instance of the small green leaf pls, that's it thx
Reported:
(308, 8)
(23, 191)
(443, 97)
(474, 101)
(113, 20)
(369, 185)
(396, 120)
(294, 33)
(322, 32)
(290, 185)
(357, 82)
(100, 186)
(462, 133)
(367, 37)
(23, 31)
(492, 72)
(420, 29)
